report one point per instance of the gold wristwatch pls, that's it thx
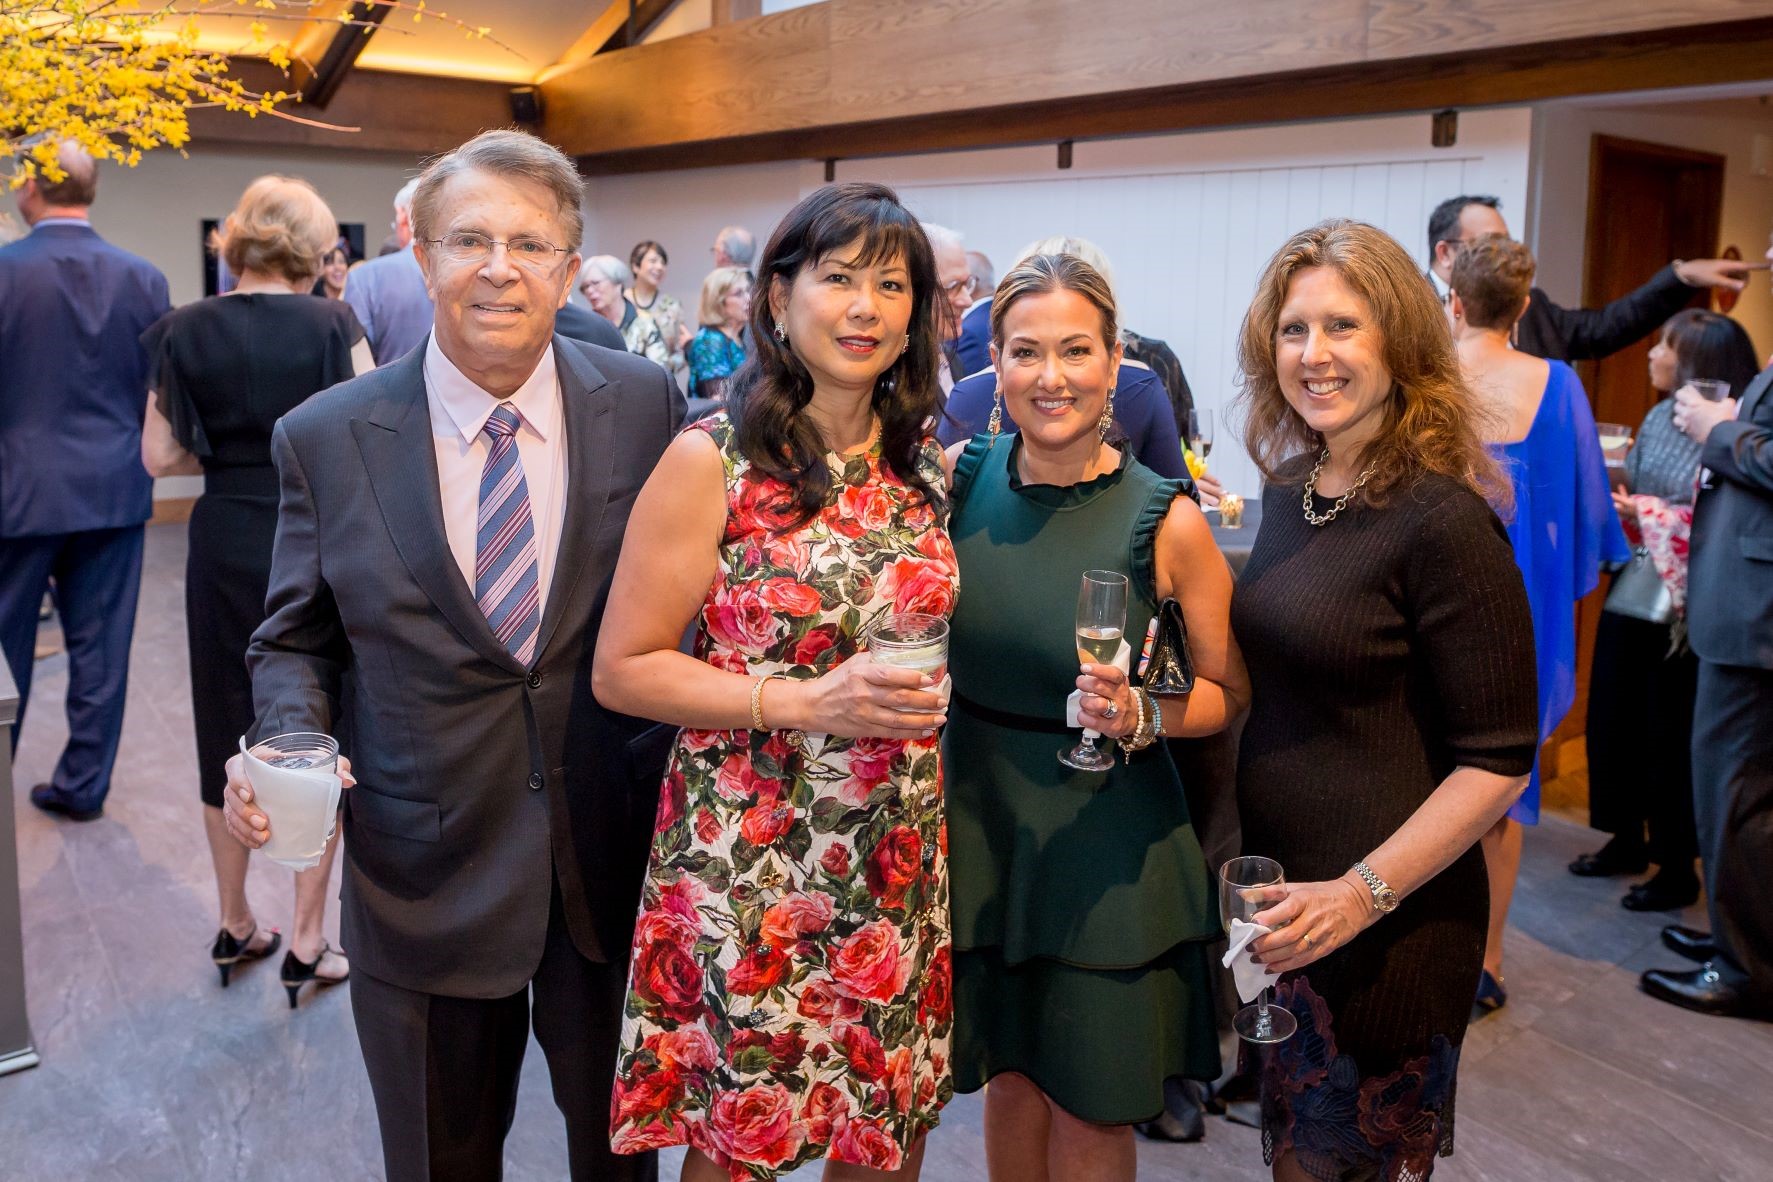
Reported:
(1384, 898)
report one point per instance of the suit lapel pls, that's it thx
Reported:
(1754, 395)
(400, 458)
(586, 399)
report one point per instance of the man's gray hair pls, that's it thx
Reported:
(738, 244)
(505, 154)
(79, 186)
(403, 199)
(941, 236)
(609, 267)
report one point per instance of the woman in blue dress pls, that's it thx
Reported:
(716, 352)
(1564, 525)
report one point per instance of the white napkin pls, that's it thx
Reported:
(302, 805)
(1123, 660)
(1252, 978)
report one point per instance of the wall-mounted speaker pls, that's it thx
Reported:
(526, 105)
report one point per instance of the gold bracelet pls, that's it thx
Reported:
(757, 701)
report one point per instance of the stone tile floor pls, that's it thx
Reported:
(152, 1072)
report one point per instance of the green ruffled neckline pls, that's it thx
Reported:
(1057, 496)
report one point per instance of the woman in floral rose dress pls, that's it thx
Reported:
(789, 994)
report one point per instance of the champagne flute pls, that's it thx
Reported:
(1248, 886)
(1101, 618)
(1200, 432)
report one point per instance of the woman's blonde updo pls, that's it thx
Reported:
(1043, 273)
(281, 227)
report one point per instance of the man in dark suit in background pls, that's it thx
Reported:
(1574, 334)
(73, 492)
(1730, 626)
(447, 530)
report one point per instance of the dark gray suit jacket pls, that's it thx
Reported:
(1730, 563)
(479, 782)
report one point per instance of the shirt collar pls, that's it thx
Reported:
(468, 406)
(62, 221)
(1440, 286)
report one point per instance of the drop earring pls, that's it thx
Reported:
(781, 332)
(995, 423)
(1107, 420)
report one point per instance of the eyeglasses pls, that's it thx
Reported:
(465, 246)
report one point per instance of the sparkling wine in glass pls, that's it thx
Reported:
(1200, 432)
(1248, 886)
(1101, 618)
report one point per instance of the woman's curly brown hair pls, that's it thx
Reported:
(1433, 422)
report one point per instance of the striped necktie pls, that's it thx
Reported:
(505, 579)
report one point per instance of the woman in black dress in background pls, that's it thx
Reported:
(1390, 652)
(224, 370)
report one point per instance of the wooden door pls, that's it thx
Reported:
(1647, 204)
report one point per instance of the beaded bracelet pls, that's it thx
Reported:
(1143, 732)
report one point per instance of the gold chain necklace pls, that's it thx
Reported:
(1321, 519)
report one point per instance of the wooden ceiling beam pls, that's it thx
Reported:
(413, 114)
(329, 44)
(610, 31)
(797, 84)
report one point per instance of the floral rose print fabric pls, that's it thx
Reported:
(789, 997)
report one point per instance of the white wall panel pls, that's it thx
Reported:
(1188, 222)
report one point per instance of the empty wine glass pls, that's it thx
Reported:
(1200, 432)
(1248, 886)
(1101, 618)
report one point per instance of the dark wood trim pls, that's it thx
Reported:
(316, 76)
(1705, 55)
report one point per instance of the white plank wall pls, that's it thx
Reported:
(1188, 222)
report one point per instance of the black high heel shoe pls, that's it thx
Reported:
(228, 952)
(297, 972)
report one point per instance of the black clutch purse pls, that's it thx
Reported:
(1170, 669)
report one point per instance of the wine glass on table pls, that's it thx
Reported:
(1101, 618)
(1248, 886)
(1200, 432)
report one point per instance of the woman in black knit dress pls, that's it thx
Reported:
(1390, 651)
(224, 369)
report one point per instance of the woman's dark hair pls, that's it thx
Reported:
(1710, 345)
(639, 253)
(770, 392)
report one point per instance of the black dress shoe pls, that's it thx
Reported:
(1689, 942)
(1616, 857)
(46, 798)
(1703, 990)
(1662, 892)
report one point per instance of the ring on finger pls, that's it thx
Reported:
(1305, 940)
(1110, 710)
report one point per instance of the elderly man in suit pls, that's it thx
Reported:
(1573, 334)
(447, 528)
(1730, 626)
(73, 492)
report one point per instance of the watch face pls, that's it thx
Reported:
(1386, 900)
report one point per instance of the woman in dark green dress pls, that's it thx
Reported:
(1084, 913)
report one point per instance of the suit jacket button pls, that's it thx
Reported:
(535, 781)
(535, 681)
